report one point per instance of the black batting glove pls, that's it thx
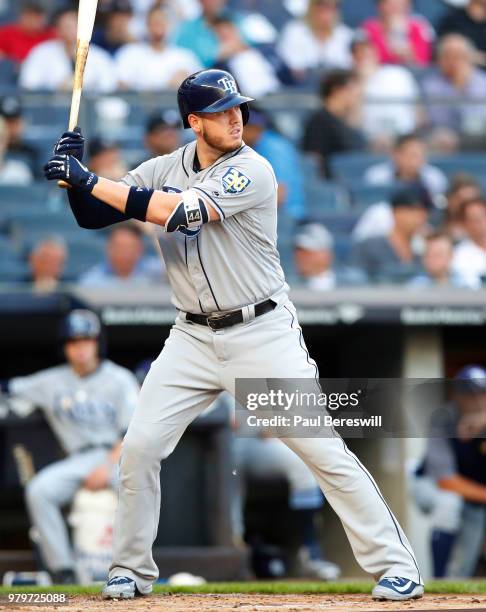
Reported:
(68, 168)
(71, 143)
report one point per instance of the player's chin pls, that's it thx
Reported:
(233, 142)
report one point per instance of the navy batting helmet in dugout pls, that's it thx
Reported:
(210, 91)
(80, 323)
(470, 379)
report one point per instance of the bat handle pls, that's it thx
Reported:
(81, 57)
(72, 124)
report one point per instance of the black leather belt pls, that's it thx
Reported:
(91, 447)
(229, 319)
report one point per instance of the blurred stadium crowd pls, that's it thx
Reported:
(371, 112)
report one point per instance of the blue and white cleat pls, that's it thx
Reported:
(120, 587)
(397, 589)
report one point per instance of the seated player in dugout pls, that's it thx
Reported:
(214, 202)
(450, 484)
(88, 402)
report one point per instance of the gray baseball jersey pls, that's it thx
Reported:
(84, 411)
(227, 265)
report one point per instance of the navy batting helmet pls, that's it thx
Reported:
(470, 379)
(80, 323)
(210, 91)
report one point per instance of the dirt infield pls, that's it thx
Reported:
(254, 603)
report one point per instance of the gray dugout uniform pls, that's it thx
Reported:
(446, 457)
(88, 415)
(222, 266)
(86, 411)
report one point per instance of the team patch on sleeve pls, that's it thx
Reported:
(235, 181)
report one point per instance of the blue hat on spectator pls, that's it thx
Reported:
(410, 195)
(470, 379)
(162, 120)
(98, 145)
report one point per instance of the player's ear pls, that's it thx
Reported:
(194, 122)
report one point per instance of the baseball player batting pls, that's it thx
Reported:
(215, 202)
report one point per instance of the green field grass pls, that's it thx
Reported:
(282, 588)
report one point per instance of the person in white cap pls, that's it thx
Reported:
(314, 256)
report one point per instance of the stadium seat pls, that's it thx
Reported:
(46, 112)
(433, 10)
(470, 163)
(42, 139)
(8, 76)
(339, 223)
(84, 253)
(30, 227)
(309, 166)
(324, 195)
(13, 270)
(8, 12)
(7, 250)
(342, 248)
(289, 122)
(354, 12)
(352, 166)
(286, 232)
(14, 196)
(363, 194)
(36, 199)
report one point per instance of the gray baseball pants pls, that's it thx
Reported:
(47, 493)
(195, 365)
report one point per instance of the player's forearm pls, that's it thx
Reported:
(161, 205)
(172, 211)
(116, 195)
(111, 193)
(468, 489)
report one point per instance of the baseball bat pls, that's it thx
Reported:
(86, 19)
(24, 463)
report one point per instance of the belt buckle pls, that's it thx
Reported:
(211, 321)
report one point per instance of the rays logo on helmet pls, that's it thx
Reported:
(235, 181)
(228, 85)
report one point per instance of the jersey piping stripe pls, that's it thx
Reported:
(309, 360)
(230, 157)
(207, 279)
(303, 347)
(219, 209)
(361, 466)
(182, 160)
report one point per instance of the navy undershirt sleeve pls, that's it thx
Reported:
(91, 213)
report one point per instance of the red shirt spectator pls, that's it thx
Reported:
(398, 36)
(17, 39)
